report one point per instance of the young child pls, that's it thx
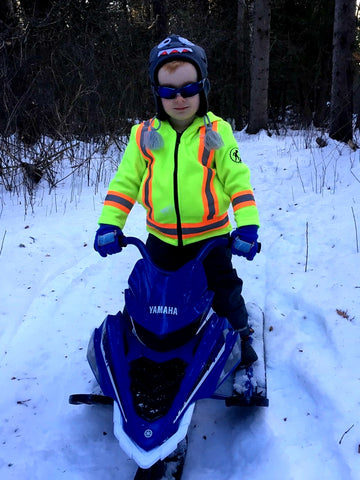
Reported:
(184, 167)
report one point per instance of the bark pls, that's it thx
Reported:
(6, 11)
(342, 71)
(242, 33)
(161, 19)
(259, 69)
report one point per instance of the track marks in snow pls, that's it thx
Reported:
(59, 322)
(301, 384)
(239, 435)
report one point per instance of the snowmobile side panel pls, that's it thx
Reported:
(97, 362)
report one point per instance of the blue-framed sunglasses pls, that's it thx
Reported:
(188, 90)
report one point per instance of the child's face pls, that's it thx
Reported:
(181, 111)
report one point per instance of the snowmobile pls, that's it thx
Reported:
(163, 352)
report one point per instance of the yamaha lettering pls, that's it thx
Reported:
(163, 309)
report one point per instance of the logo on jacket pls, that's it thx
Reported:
(163, 309)
(235, 155)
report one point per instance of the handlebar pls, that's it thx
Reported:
(139, 244)
(239, 244)
(245, 247)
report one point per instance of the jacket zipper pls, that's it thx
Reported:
(176, 190)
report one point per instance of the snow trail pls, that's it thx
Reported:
(56, 290)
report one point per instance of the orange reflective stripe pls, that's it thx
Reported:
(212, 188)
(119, 200)
(208, 193)
(190, 229)
(243, 199)
(138, 135)
(147, 188)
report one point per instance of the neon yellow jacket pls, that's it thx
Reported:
(185, 189)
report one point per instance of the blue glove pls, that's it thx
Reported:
(244, 241)
(108, 240)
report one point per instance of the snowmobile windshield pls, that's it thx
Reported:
(167, 307)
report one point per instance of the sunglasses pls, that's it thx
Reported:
(187, 91)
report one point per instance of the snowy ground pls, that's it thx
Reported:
(55, 289)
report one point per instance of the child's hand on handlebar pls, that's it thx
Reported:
(109, 239)
(244, 241)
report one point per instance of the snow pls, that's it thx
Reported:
(55, 290)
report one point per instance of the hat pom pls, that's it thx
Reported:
(213, 140)
(152, 138)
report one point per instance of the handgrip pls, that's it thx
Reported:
(245, 247)
(106, 238)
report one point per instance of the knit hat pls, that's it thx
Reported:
(172, 48)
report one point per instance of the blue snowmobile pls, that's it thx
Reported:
(163, 352)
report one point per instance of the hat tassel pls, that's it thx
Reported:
(213, 140)
(152, 138)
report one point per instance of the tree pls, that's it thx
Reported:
(160, 14)
(242, 63)
(300, 61)
(343, 71)
(6, 11)
(259, 67)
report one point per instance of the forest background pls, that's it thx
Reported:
(77, 70)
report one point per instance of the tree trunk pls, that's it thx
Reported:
(161, 19)
(6, 11)
(242, 34)
(342, 71)
(259, 68)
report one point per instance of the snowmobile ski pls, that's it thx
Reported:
(156, 472)
(250, 384)
(90, 399)
(169, 469)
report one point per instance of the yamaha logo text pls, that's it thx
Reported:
(163, 309)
